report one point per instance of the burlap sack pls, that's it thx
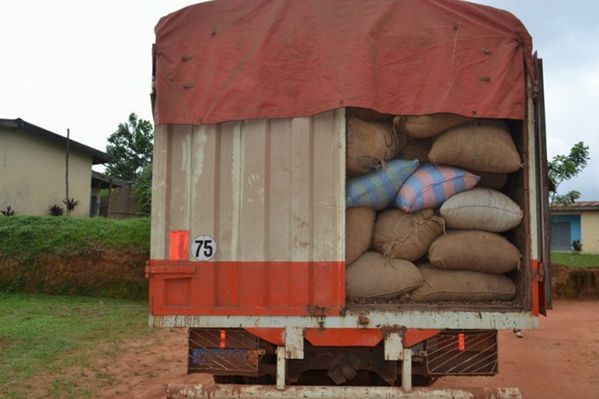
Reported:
(481, 209)
(367, 114)
(482, 146)
(369, 144)
(494, 181)
(462, 285)
(424, 126)
(359, 226)
(474, 250)
(416, 149)
(374, 276)
(404, 235)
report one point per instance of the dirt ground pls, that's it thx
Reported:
(560, 360)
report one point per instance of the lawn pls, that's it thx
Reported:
(571, 259)
(44, 334)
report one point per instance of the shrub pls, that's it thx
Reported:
(8, 211)
(56, 210)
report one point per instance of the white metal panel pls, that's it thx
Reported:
(376, 319)
(534, 191)
(216, 391)
(265, 190)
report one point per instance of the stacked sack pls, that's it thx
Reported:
(434, 180)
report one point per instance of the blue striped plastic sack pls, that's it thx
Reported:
(431, 185)
(377, 190)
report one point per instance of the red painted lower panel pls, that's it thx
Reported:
(246, 288)
(345, 337)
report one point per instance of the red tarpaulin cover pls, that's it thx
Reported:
(242, 59)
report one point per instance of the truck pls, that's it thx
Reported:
(251, 102)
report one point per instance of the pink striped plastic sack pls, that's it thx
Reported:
(431, 185)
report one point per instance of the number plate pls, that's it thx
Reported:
(203, 248)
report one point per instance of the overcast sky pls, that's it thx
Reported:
(86, 64)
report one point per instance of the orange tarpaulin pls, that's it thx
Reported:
(244, 59)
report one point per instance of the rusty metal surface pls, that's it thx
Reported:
(462, 353)
(328, 392)
(543, 184)
(224, 352)
(376, 319)
(264, 189)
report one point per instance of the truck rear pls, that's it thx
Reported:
(280, 239)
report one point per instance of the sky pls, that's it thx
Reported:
(86, 64)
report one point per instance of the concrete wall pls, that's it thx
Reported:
(32, 174)
(590, 232)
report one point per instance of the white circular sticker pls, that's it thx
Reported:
(203, 247)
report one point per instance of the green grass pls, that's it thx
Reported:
(44, 334)
(571, 259)
(26, 238)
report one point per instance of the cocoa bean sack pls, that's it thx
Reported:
(482, 146)
(377, 190)
(369, 145)
(475, 250)
(431, 185)
(424, 126)
(462, 285)
(481, 209)
(359, 226)
(404, 235)
(375, 276)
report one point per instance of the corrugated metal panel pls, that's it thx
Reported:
(265, 190)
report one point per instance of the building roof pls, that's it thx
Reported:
(577, 206)
(19, 124)
(104, 181)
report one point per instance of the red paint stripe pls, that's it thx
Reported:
(179, 245)
(240, 288)
(461, 342)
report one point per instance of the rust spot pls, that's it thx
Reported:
(363, 319)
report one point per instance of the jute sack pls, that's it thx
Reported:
(404, 235)
(481, 209)
(462, 285)
(416, 149)
(367, 114)
(494, 181)
(369, 144)
(483, 146)
(374, 276)
(474, 250)
(359, 226)
(424, 126)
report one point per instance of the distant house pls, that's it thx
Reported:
(578, 221)
(100, 181)
(32, 170)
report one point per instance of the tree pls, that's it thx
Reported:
(565, 167)
(130, 147)
(143, 190)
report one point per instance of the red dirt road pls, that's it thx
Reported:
(560, 360)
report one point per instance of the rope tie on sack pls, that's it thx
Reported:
(370, 163)
(391, 243)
